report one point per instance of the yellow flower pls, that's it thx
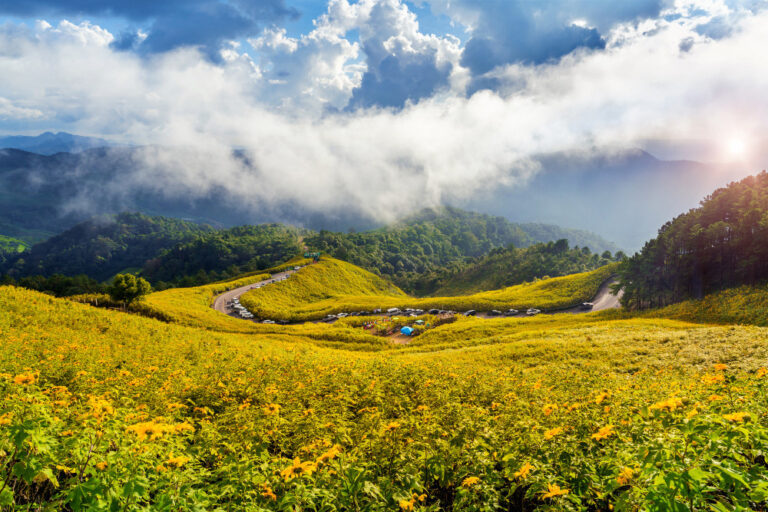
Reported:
(101, 466)
(266, 491)
(522, 473)
(407, 505)
(177, 461)
(153, 430)
(625, 476)
(330, 454)
(25, 379)
(67, 433)
(713, 379)
(737, 417)
(298, 468)
(470, 481)
(601, 398)
(5, 419)
(81, 373)
(549, 434)
(549, 409)
(719, 367)
(714, 398)
(392, 425)
(603, 433)
(761, 372)
(669, 404)
(271, 409)
(554, 490)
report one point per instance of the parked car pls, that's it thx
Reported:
(494, 312)
(393, 311)
(511, 312)
(587, 306)
(533, 312)
(434, 311)
(471, 312)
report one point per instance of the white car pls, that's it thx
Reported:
(533, 312)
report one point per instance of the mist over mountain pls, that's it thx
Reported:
(624, 197)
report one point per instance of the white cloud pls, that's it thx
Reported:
(10, 111)
(379, 162)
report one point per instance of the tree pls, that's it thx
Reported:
(127, 288)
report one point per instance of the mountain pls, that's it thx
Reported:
(50, 143)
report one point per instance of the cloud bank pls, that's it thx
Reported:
(397, 119)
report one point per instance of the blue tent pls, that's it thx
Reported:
(408, 331)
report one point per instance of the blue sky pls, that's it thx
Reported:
(388, 100)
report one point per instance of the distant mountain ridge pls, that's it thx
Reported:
(50, 143)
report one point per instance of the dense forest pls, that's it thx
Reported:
(433, 242)
(509, 266)
(224, 253)
(720, 244)
(103, 246)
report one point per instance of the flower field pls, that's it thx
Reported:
(103, 410)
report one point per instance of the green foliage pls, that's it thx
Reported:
(11, 246)
(720, 244)
(127, 288)
(60, 285)
(511, 266)
(103, 246)
(430, 242)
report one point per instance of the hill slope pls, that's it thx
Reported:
(133, 412)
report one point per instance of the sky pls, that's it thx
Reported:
(386, 105)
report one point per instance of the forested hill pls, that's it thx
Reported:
(720, 244)
(504, 267)
(103, 246)
(434, 240)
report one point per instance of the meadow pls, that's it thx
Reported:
(333, 286)
(117, 411)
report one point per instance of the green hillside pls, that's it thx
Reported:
(504, 267)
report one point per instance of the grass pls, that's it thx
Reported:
(333, 286)
(105, 410)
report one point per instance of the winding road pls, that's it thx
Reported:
(602, 300)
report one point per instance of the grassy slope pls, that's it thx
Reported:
(334, 286)
(481, 411)
(12, 245)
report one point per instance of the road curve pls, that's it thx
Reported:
(220, 303)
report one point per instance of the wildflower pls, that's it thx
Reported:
(24, 379)
(549, 434)
(601, 398)
(549, 409)
(669, 404)
(81, 373)
(719, 367)
(67, 433)
(330, 454)
(714, 398)
(100, 407)
(101, 466)
(554, 490)
(407, 505)
(470, 481)
(522, 473)
(604, 433)
(309, 412)
(392, 425)
(177, 461)
(176, 406)
(713, 379)
(761, 372)
(266, 491)
(737, 417)
(625, 476)
(298, 468)
(271, 409)
(5, 419)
